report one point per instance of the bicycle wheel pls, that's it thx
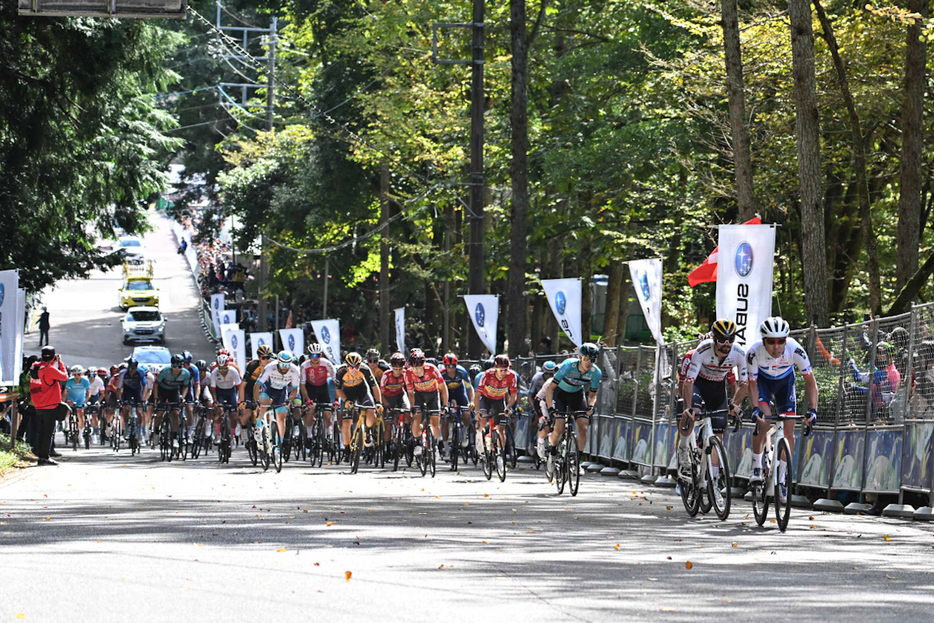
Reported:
(560, 474)
(337, 446)
(499, 456)
(301, 452)
(319, 441)
(183, 440)
(197, 439)
(572, 462)
(690, 493)
(263, 448)
(432, 455)
(705, 502)
(73, 431)
(275, 446)
(721, 502)
(379, 446)
(356, 447)
(422, 459)
(783, 503)
(760, 499)
(512, 455)
(165, 439)
(115, 437)
(455, 445)
(486, 461)
(472, 454)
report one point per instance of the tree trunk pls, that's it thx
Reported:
(909, 198)
(613, 293)
(385, 305)
(807, 126)
(742, 156)
(859, 163)
(585, 270)
(910, 291)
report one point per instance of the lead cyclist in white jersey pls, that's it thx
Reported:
(771, 363)
(705, 383)
(279, 383)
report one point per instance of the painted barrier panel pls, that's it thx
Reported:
(622, 432)
(848, 470)
(884, 460)
(642, 436)
(521, 432)
(918, 455)
(814, 452)
(665, 435)
(606, 437)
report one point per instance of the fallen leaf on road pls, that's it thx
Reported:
(317, 564)
(886, 537)
(666, 609)
(20, 616)
(810, 519)
(726, 601)
(616, 546)
(891, 577)
(348, 575)
(330, 523)
(668, 508)
(441, 567)
(735, 545)
(50, 519)
(652, 579)
(485, 543)
(689, 565)
(669, 558)
(45, 495)
(281, 549)
(813, 526)
(486, 495)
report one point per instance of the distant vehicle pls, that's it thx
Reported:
(143, 324)
(155, 358)
(138, 292)
(132, 249)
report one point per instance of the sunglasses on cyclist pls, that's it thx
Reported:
(725, 340)
(265, 357)
(373, 360)
(314, 356)
(176, 366)
(587, 359)
(773, 341)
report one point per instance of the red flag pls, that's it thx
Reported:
(708, 270)
(288, 322)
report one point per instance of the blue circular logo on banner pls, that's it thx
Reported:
(479, 314)
(262, 342)
(2, 293)
(561, 303)
(233, 341)
(292, 343)
(644, 283)
(743, 260)
(325, 335)
(217, 303)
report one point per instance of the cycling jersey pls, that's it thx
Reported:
(219, 380)
(457, 385)
(77, 390)
(171, 386)
(317, 375)
(706, 364)
(97, 386)
(686, 364)
(429, 381)
(134, 383)
(381, 368)
(496, 389)
(272, 378)
(354, 379)
(194, 380)
(759, 361)
(391, 385)
(538, 383)
(570, 379)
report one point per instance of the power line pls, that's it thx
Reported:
(194, 125)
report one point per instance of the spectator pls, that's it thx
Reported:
(45, 387)
(183, 246)
(885, 379)
(544, 346)
(44, 326)
(899, 339)
(27, 429)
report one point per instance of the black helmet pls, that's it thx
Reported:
(48, 353)
(132, 363)
(723, 329)
(589, 349)
(176, 361)
(487, 363)
(372, 355)
(202, 365)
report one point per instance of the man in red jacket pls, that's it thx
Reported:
(45, 389)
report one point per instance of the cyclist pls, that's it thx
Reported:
(485, 365)
(193, 394)
(683, 372)
(113, 404)
(355, 384)
(226, 387)
(94, 400)
(253, 369)
(538, 407)
(377, 365)
(279, 383)
(169, 388)
(706, 382)
(130, 385)
(474, 372)
(423, 383)
(316, 371)
(392, 390)
(148, 398)
(770, 364)
(77, 392)
(565, 394)
(496, 394)
(460, 392)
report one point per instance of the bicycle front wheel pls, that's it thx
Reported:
(275, 446)
(690, 495)
(720, 501)
(487, 460)
(356, 448)
(432, 452)
(572, 462)
(499, 456)
(760, 499)
(783, 493)
(263, 449)
(455, 445)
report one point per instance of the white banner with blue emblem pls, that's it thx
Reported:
(329, 336)
(235, 342)
(483, 310)
(227, 316)
(400, 329)
(647, 281)
(293, 340)
(11, 334)
(217, 304)
(564, 297)
(260, 339)
(744, 277)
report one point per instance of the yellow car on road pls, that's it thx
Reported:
(138, 291)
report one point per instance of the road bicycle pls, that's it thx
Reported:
(566, 468)
(401, 438)
(164, 411)
(704, 491)
(459, 435)
(494, 450)
(200, 437)
(293, 438)
(269, 438)
(774, 484)
(319, 445)
(253, 438)
(427, 460)
(225, 443)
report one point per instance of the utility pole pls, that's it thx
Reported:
(270, 104)
(385, 308)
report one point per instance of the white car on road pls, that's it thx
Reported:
(132, 248)
(155, 358)
(143, 324)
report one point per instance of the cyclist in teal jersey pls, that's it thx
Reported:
(565, 394)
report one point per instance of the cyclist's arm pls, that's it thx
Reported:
(687, 393)
(740, 394)
(444, 391)
(550, 395)
(304, 393)
(810, 390)
(470, 391)
(256, 391)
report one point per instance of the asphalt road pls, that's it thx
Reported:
(115, 538)
(85, 316)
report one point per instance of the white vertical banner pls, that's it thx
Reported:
(400, 329)
(260, 339)
(329, 336)
(293, 340)
(564, 297)
(20, 331)
(647, 281)
(227, 316)
(235, 342)
(9, 288)
(744, 277)
(483, 310)
(217, 304)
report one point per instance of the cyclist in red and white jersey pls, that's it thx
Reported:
(392, 390)
(316, 370)
(424, 383)
(496, 394)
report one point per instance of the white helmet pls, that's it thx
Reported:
(222, 360)
(314, 349)
(775, 326)
(76, 370)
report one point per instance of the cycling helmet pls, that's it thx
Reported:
(285, 358)
(186, 356)
(372, 355)
(224, 351)
(723, 328)
(313, 349)
(76, 370)
(450, 359)
(102, 372)
(92, 371)
(397, 360)
(222, 361)
(202, 365)
(487, 363)
(589, 349)
(475, 369)
(501, 361)
(416, 357)
(262, 351)
(549, 367)
(302, 359)
(176, 361)
(132, 363)
(432, 361)
(122, 366)
(774, 326)
(353, 359)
